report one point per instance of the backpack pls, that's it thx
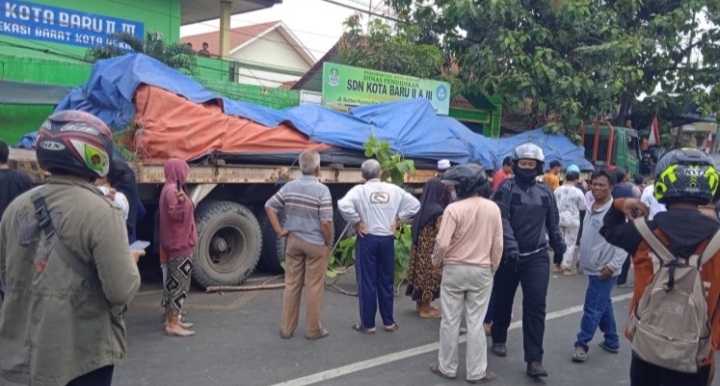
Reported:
(670, 326)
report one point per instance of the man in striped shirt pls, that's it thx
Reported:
(307, 205)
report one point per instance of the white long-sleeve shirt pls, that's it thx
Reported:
(648, 198)
(120, 201)
(377, 204)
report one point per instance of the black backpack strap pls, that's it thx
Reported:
(43, 217)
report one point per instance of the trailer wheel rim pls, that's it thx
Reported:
(226, 247)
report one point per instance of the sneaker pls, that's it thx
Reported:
(536, 370)
(499, 349)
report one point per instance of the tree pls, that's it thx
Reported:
(403, 48)
(557, 62)
(176, 55)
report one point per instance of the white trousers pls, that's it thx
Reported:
(570, 235)
(464, 288)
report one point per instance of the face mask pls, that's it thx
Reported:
(525, 175)
(453, 196)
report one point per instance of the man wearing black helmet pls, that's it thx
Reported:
(686, 179)
(62, 321)
(468, 268)
(528, 209)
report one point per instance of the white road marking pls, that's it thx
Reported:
(150, 292)
(400, 355)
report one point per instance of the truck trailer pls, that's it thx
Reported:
(234, 234)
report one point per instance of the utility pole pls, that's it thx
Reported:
(678, 135)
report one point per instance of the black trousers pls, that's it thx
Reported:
(100, 377)
(622, 279)
(533, 274)
(646, 374)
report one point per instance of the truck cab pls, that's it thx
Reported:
(615, 146)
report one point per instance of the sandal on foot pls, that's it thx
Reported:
(435, 369)
(434, 314)
(362, 330)
(285, 336)
(324, 333)
(489, 377)
(609, 349)
(579, 356)
(392, 328)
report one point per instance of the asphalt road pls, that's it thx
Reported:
(237, 344)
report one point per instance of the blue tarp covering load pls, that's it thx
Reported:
(411, 126)
(555, 147)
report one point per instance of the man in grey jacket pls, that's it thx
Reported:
(66, 265)
(602, 263)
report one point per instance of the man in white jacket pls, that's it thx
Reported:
(373, 208)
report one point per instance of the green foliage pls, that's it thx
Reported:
(557, 62)
(394, 168)
(394, 165)
(123, 142)
(176, 55)
(401, 50)
(403, 242)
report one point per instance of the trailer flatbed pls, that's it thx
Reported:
(234, 234)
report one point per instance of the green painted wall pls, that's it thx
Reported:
(273, 98)
(49, 71)
(161, 16)
(15, 121)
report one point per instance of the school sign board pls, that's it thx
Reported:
(352, 86)
(61, 25)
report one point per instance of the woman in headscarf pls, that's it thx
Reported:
(423, 280)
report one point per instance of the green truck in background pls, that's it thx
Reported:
(614, 146)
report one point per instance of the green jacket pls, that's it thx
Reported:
(55, 325)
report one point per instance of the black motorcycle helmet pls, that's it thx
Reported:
(467, 179)
(76, 143)
(685, 174)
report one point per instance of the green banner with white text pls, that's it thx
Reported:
(353, 86)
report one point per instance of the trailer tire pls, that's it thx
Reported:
(229, 244)
(339, 223)
(273, 250)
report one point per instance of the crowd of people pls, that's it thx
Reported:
(68, 279)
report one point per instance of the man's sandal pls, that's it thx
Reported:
(324, 333)
(362, 330)
(392, 328)
(435, 369)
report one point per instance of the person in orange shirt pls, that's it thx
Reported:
(552, 177)
(686, 180)
(502, 174)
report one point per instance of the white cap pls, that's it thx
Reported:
(443, 164)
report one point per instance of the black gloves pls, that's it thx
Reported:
(511, 262)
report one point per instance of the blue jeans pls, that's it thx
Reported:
(598, 312)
